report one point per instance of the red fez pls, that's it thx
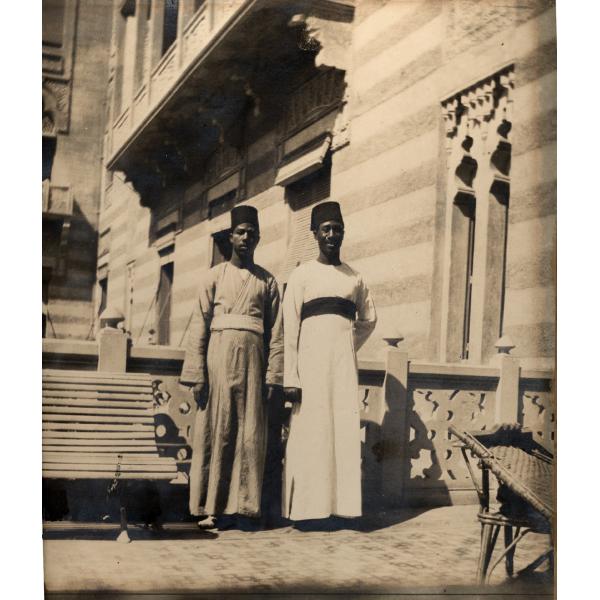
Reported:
(326, 211)
(244, 214)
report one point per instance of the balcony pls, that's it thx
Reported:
(194, 40)
(57, 200)
(228, 56)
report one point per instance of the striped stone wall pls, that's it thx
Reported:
(76, 164)
(406, 58)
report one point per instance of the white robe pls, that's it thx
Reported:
(322, 463)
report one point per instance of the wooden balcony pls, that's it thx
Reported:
(229, 56)
(211, 18)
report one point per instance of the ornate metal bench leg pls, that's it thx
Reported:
(123, 535)
(510, 555)
(485, 553)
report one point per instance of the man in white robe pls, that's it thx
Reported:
(328, 314)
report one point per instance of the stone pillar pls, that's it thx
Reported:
(395, 427)
(507, 394)
(112, 342)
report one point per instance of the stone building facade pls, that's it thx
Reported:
(432, 122)
(75, 50)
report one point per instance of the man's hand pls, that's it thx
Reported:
(293, 394)
(198, 391)
(271, 392)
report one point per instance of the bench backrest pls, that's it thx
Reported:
(94, 423)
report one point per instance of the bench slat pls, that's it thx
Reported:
(108, 466)
(104, 475)
(85, 447)
(77, 402)
(78, 418)
(102, 457)
(97, 410)
(53, 440)
(94, 424)
(95, 375)
(99, 427)
(96, 386)
(95, 394)
(97, 436)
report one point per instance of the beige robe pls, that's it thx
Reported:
(230, 430)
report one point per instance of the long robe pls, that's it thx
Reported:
(322, 463)
(230, 429)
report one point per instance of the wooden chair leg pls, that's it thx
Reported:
(123, 537)
(485, 554)
(510, 555)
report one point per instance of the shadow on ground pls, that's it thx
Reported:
(364, 524)
(136, 533)
(67, 530)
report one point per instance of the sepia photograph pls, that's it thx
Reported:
(298, 298)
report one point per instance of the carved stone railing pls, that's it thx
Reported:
(407, 407)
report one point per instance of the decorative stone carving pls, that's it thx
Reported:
(317, 96)
(328, 31)
(173, 420)
(538, 414)
(56, 96)
(478, 122)
(480, 110)
(430, 448)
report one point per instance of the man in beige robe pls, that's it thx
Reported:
(234, 365)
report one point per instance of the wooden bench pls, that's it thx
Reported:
(101, 426)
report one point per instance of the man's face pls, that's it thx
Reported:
(244, 239)
(329, 236)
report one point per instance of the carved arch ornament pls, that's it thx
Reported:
(478, 119)
(55, 106)
(478, 122)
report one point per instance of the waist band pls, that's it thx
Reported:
(232, 321)
(329, 306)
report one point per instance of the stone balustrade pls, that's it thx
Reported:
(406, 409)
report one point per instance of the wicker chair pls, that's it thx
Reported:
(524, 471)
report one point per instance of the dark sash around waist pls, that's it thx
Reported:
(328, 306)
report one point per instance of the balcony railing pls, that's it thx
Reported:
(193, 39)
(57, 200)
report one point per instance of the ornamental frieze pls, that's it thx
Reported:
(316, 97)
(56, 100)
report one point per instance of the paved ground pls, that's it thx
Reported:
(434, 549)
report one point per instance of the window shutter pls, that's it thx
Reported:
(301, 197)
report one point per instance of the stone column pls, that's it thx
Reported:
(507, 394)
(395, 427)
(112, 342)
